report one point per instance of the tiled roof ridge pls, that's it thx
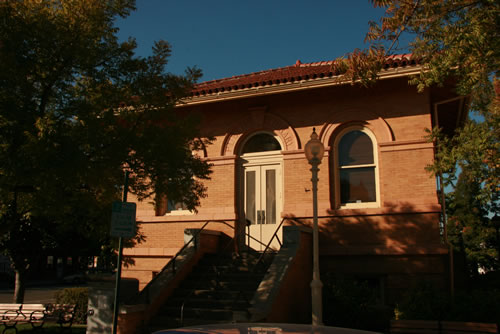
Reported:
(296, 72)
(276, 69)
(316, 63)
(251, 74)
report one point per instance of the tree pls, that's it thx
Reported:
(76, 108)
(469, 229)
(456, 39)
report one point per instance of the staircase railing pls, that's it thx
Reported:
(171, 265)
(259, 262)
(203, 278)
(275, 235)
(217, 271)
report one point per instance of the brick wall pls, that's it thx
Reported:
(162, 241)
(405, 223)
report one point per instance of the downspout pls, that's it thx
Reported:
(441, 188)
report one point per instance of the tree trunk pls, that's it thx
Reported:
(20, 286)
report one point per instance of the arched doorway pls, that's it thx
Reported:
(261, 193)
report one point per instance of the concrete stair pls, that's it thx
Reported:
(218, 290)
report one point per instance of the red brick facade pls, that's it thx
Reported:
(395, 240)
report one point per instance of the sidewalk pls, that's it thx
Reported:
(37, 292)
(30, 284)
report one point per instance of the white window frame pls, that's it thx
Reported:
(179, 212)
(337, 168)
(260, 153)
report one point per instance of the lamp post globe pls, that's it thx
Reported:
(314, 151)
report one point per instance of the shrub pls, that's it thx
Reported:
(354, 304)
(77, 296)
(476, 306)
(423, 302)
(426, 302)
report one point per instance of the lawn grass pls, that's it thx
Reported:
(47, 329)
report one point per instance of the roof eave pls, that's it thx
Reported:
(292, 86)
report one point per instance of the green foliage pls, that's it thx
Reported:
(474, 151)
(476, 305)
(76, 108)
(360, 65)
(77, 296)
(470, 231)
(451, 38)
(426, 302)
(423, 302)
(354, 304)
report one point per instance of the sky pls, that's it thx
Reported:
(231, 37)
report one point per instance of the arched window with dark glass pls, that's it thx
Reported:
(261, 142)
(356, 167)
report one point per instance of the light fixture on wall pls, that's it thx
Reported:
(314, 151)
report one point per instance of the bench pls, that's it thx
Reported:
(441, 327)
(36, 315)
(33, 314)
(11, 315)
(62, 314)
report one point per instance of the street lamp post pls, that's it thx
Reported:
(314, 151)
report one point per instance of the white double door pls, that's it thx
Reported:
(263, 198)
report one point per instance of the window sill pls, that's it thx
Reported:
(179, 213)
(362, 205)
(193, 217)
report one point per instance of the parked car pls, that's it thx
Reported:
(77, 278)
(261, 328)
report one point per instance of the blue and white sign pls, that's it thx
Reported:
(123, 220)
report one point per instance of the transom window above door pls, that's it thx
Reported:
(261, 142)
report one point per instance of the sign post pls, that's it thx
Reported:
(122, 226)
(123, 220)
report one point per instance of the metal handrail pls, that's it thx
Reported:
(217, 272)
(173, 260)
(275, 235)
(217, 283)
(261, 257)
(172, 263)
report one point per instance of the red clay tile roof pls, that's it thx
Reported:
(296, 72)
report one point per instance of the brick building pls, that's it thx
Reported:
(379, 208)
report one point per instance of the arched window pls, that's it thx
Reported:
(261, 142)
(356, 166)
